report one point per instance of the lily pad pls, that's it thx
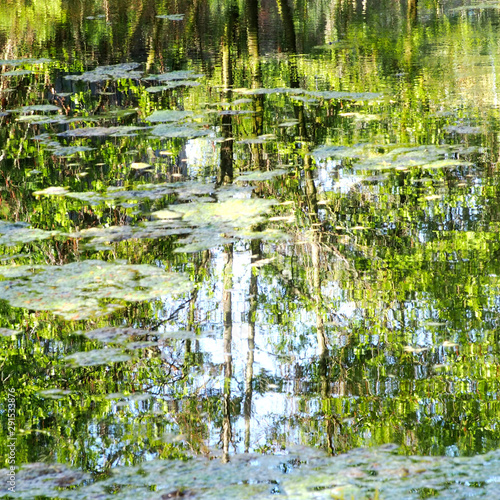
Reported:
(261, 139)
(220, 223)
(148, 230)
(166, 214)
(217, 219)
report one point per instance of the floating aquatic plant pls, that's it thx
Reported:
(54, 393)
(76, 290)
(18, 233)
(229, 214)
(380, 157)
(260, 176)
(171, 17)
(174, 75)
(112, 72)
(26, 61)
(226, 214)
(115, 334)
(300, 474)
(349, 96)
(44, 108)
(172, 85)
(264, 91)
(99, 131)
(8, 332)
(51, 191)
(17, 72)
(186, 132)
(233, 112)
(98, 357)
(168, 115)
(69, 150)
(139, 165)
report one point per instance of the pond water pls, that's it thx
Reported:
(240, 227)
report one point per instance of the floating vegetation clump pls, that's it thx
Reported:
(217, 219)
(260, 176)
(305, 474)
(168, 115)
(51, 191)
(70, 150)
(18, 72)
(313, 94)
(266, 91)
(44, 108)
(113, 72)
(391, 157)
(99, 131)
(26, 61)
(171, 17)
(147, 230)
(183, 132)
(54, 393)
(115, 334)
(174, 75)
(120, 195)
(82, 290)
(228, 215)
(331, 253)
(18, 233)
(98, 357)
(348, 96)
(8, 332)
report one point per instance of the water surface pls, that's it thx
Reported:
(230, 227)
